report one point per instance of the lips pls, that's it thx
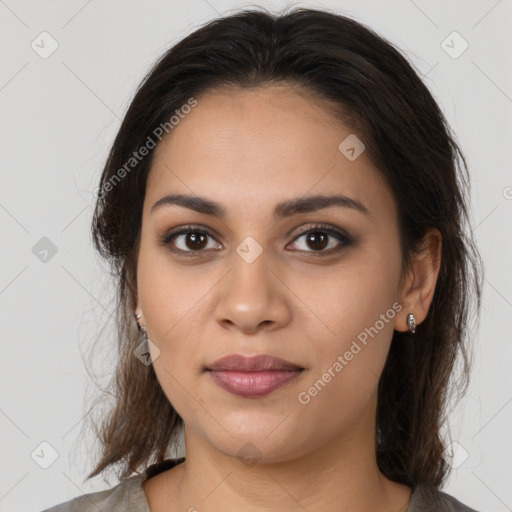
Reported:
(257, 363)
(253, 377)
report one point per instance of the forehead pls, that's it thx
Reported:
(262, 145)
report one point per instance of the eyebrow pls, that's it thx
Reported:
(284, 209)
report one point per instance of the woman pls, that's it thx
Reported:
(284, 209)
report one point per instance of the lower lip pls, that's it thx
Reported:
(253, 384)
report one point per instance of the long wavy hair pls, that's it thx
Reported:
(374, 91)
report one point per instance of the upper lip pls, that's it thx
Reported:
(254, 363)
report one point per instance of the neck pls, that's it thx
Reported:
(341, 474)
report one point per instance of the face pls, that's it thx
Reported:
(315, 287)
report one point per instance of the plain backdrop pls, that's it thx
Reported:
(59, 116)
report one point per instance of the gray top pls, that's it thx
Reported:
(129, 496)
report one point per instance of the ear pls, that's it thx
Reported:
(419, 284)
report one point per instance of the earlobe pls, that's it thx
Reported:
(420, 285)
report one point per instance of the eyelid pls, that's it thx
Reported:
(320, 226)
(189, 227)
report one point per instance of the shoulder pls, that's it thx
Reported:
(127, 496)
(426, 498)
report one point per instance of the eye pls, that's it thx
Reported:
(317, 237)
(193, 240)
(188, 240)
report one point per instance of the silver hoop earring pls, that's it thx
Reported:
(141, 327)
(411, 323)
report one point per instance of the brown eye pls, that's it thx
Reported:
(188, 240)
(195, 240)
(319, 237)
(317, 240)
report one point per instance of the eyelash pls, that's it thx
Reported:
(323, 228)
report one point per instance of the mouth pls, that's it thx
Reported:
(253, 377)
(253, 384)
(263, 362)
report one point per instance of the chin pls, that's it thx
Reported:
(256, 446)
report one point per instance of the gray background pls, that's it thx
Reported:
(59, 117)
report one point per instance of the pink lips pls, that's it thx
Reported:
(254, 376)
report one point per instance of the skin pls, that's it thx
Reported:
(248, 150)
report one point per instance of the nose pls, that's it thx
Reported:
(252, 297)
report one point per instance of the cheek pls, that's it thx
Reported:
(352, 296)
(172, 307)
(357, 309)
(345, 378)
(169, 293)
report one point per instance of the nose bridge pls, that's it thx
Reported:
(251, 294)
(250, 269)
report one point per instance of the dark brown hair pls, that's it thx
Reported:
(374, 91)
